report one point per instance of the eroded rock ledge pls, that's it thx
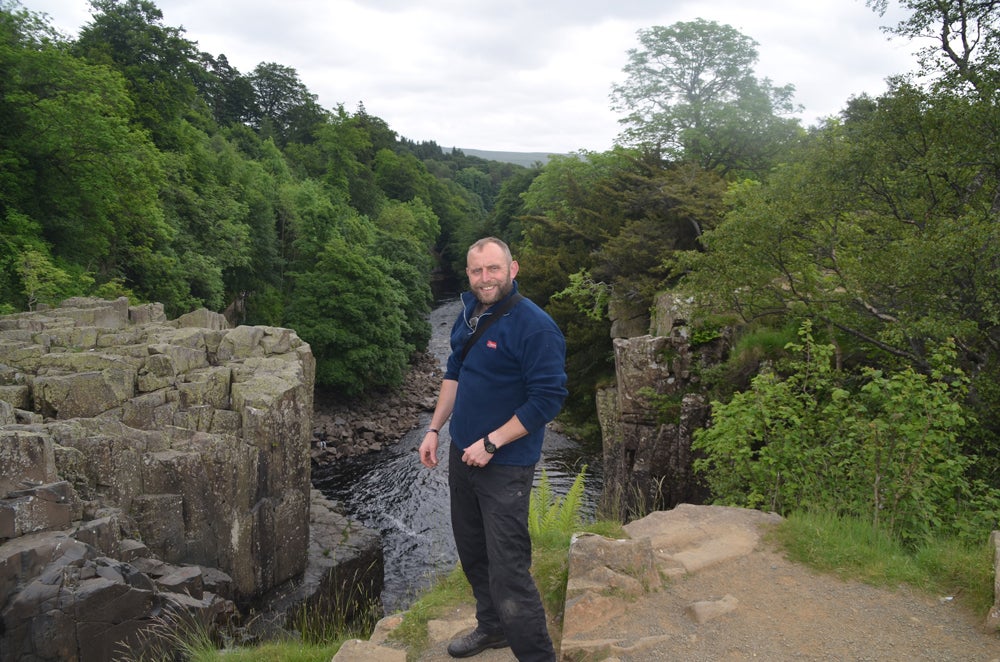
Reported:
(146, 466)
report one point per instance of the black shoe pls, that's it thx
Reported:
(475, 643)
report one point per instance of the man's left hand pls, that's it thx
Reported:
(476, 455)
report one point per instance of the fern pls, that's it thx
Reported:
(552, 517)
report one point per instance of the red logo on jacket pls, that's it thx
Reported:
(492, 344)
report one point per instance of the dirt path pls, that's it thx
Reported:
(785, 612)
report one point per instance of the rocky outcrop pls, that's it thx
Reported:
(146, 465)
(611, 581)
(711, 583)
(343, 579)
(649, 416)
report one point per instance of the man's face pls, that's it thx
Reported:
(490, 277)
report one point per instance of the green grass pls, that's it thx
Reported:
(273, 652)
(174, 637)
(851, 549)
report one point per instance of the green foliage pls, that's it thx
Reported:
(755, 346)
(350, 312)
(505, 219)
(601, 223)
(590, 297)
(764, 343)
(552, 521)
(156, 60)
(43, 281)
(408, 264)
(290, 651)
(284, 109)
(401, 176)
(551, 517)
(88, 190)
(881, 227)
(887, 451)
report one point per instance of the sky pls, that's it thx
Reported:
(518, 75)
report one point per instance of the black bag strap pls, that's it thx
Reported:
(492, 317)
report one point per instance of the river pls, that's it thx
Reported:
(392, 493)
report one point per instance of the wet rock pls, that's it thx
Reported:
(344, 428)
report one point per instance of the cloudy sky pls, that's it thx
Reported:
(518, 75)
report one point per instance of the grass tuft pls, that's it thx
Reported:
(852, 549)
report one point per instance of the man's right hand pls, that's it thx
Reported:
(429, 449)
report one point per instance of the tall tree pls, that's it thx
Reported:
(158, 62)
(228, 93)
(691, 93)
(285, 108)
(607, 222)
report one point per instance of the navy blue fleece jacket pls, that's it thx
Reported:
(516, 367)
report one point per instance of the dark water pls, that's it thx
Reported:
(392, 493)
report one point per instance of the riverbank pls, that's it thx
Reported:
(345, 427)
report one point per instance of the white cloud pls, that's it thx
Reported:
(524, 75)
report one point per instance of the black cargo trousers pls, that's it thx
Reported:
(489, 519)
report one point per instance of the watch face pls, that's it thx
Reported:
(489, 446)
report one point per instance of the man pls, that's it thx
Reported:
(499, 397)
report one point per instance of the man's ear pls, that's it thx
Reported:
(513, 269)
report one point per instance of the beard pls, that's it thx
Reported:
(503, 288)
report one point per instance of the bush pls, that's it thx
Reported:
(888, 451)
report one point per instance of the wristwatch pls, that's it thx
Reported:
(490, 447)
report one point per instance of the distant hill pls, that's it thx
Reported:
(526, 159)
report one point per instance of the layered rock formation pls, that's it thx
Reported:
(649, 416)
(146, 466)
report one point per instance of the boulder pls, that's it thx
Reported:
(89, 607)
(648, 420)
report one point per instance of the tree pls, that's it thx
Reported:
(285, 109)
(79, 182)
(401, 176)
(882, 229)
(228, 93)
(965, 36)
(505, 219)
(691, 93)
(408, 263)
(158, 62)
(881, 446)
(351, 314)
